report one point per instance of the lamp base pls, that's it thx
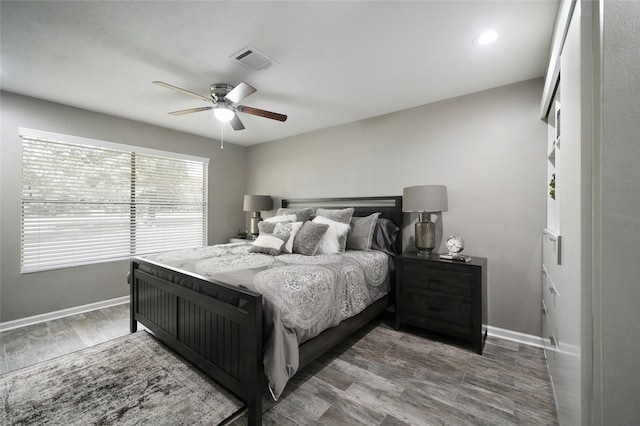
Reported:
(425, 234)
(253, 224)
(424, 253)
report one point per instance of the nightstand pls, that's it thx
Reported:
(239, 240)
(443, 296)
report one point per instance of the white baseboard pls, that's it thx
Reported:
(501, 333)
(514, 336)
(23, 322)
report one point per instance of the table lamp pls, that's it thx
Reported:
(255, 204)
(425, 199)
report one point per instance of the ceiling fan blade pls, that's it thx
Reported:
(261, 113)
(190, 110)
(186, 92)
(240, 92)
(236, 123)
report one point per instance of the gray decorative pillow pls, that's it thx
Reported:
(266, 227)
(308, 238)
(361, 232)
(268, 244)
(302, 215)
(384, 236)
(338, 215)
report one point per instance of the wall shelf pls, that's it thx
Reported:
(553, 154)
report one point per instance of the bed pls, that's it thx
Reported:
(224, 327)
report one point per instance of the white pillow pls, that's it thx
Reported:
(268, 244)
(290, 229)
(283, 218)
(330, 242)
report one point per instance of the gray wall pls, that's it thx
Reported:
(619, 295)
(36, 293)
(489, 148)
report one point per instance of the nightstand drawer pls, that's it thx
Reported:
(415, 274)
(421, 307)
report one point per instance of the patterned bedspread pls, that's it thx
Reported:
(302, 295)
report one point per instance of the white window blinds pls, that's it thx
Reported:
(87, 201)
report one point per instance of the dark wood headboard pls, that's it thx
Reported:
(388, 207)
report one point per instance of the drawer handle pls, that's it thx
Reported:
(552, 290)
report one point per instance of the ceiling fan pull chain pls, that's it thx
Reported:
(221, 135)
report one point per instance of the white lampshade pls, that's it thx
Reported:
(257, 203)
(223, 113)
(425, 198)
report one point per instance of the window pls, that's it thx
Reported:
(86, 201)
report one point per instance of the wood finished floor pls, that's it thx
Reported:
(29, 345)
(378, 377)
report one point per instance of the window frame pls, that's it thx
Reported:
(132, 241)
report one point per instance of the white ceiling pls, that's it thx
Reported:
(337, 62)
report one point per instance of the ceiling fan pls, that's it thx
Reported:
(225, 98)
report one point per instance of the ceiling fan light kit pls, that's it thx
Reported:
(223, 114)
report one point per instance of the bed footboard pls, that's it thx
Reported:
(219, 337)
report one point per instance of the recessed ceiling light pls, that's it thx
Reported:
(487, 37)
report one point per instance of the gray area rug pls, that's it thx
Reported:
(126, 381)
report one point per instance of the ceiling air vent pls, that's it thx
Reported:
(252, 58)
